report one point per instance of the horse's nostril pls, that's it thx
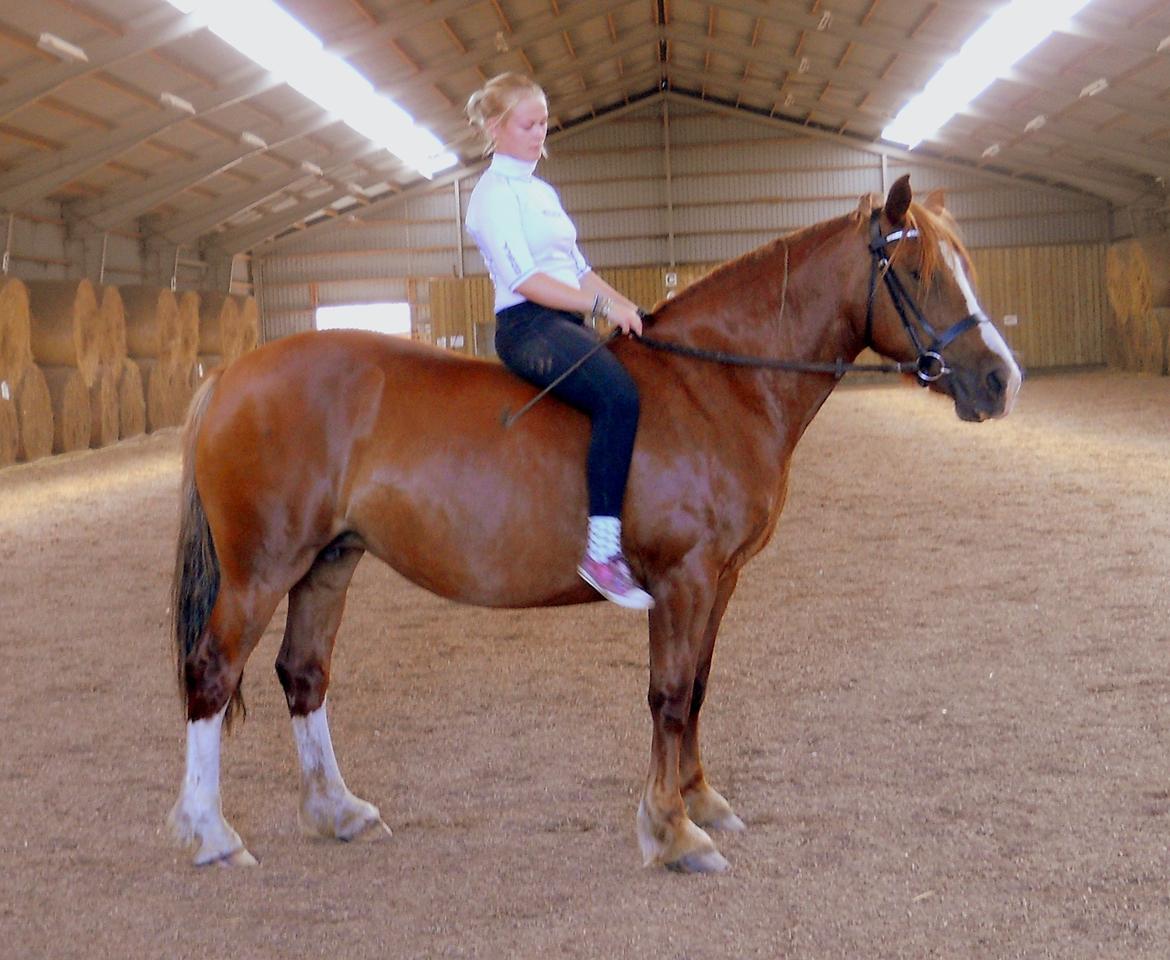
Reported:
(995, 383)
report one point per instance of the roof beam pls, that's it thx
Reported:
(183, 228)
(155, 29)
(120, 207)
(539, 28)
(19, 187)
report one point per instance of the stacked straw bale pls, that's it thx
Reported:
(158, 343)
(229, 327)
(26, 421)
(71, 345)
(1137, 281)
(65, 325)
(129, 402)
(9, 427)
(69, 397)
(81, 366)
(34, 412)
(15, 332)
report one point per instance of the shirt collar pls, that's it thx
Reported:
(507, 166)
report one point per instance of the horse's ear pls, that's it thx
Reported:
(936, 200)
(898, 201)
(866, 203)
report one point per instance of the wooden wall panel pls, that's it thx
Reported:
(1058, 295)
(461, 314)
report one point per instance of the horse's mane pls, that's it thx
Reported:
(934, 229)
(761, 254)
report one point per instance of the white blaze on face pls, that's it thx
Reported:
(991, 337)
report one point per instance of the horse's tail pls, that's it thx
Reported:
(196, 581)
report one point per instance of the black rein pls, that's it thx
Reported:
(929, 366)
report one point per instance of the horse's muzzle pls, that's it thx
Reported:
(987, 394)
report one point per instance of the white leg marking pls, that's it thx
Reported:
(327, 807)
(197, 817)
(991, 336)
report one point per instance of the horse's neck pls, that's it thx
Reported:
(781, 302)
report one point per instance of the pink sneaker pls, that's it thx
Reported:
(613, 580)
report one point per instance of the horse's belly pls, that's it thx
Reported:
(479, 536)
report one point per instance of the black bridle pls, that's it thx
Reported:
(928, 367)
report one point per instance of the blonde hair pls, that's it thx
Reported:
(491, 103)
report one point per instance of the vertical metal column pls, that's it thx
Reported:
(459, 265)
(102, 264)
(7, 259)
(669, 184)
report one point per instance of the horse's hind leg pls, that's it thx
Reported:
(212, 672)
(315, 606)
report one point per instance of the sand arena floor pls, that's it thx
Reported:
(940, 701)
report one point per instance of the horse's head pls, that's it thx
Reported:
(921, 305)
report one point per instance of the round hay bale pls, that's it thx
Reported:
(248, 337)
(1116, 345)
(64, 325)
(1155, 260)
(219, 322)
(9, 427)
(69, 397)
(166, 394)
(1145, 345)
(152, 323)
(34, 410)
(15, 329)
(188, 329)
(103, 409)
(1162, 318)
(1142, 295)
(131, 401)
(112, 319)
(1117, 283)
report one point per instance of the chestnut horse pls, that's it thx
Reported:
(317, 448)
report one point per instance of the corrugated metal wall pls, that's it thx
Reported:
(40, 243)
(670, 183)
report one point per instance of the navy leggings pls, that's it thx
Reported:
(540, 344)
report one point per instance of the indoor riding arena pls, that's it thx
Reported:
(940, 693)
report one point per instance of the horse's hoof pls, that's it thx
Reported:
(376, 829)
(240, 857)
(701, 861)
(728, 824)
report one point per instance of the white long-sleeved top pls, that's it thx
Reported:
(520, 227)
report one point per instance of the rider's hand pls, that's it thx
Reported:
(625, 317)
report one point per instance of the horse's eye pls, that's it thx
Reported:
(917, 275)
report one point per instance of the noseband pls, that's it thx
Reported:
(930, 365)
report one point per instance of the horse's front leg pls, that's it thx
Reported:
(706, 806)
(666, 833)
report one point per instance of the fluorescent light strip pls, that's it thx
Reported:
(267, 34)
(1003, 40)
(62, 49)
